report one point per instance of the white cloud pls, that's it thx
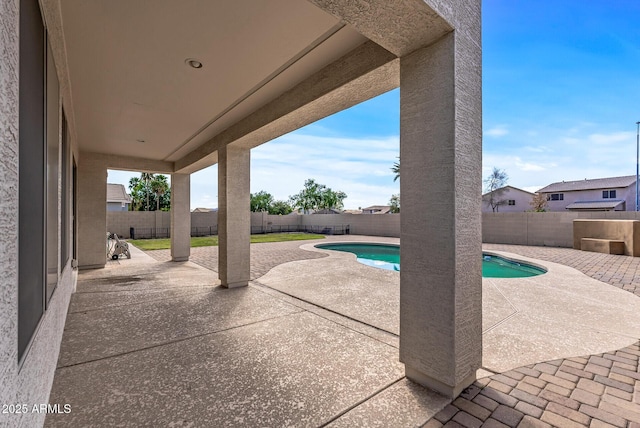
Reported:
(611, 138)
(497, 131)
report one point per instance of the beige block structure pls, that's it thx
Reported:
(92, 212)
(180, 217)
(234, 217)
(607, 236)
(440, 150)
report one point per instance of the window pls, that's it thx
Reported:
(52, 172)
(512, 202)
(608, 194)
(64, 197)
(32, 176)
(556, 197)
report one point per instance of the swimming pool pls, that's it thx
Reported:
(385, 256)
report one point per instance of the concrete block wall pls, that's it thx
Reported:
(552, 229)
(204, 219)
(360, 224)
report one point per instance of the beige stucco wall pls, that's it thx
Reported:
(614, 229)
(522, 201)
(29, 381)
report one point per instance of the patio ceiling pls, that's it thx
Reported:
(128, 79)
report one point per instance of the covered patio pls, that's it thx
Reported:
(177, 87)
(173, 87)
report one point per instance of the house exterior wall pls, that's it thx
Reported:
(117, 206)
(28, 381)
(628, 194)
(522, 201)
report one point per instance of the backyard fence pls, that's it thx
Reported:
(553, 229)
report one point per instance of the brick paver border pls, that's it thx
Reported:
(601, 390)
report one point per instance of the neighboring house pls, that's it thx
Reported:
(203, 210)
(600, 194)
(510, 199)
(117, 198)
(377, 209)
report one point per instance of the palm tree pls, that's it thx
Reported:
(147, 177)
(159, 186)
(396, 169)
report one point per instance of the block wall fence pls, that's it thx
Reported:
(552, 229)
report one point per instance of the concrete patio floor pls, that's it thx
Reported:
(151, 342)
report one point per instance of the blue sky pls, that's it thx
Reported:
(561, 96)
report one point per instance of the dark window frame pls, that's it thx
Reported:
(32, 175)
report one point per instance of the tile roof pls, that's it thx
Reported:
(596, 183)
(510, 187)
(594, 205)
(117, 193)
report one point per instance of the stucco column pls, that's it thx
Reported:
(92, 212)
(234, 216)
(441, 276)
(180, 217)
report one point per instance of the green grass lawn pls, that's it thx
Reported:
(207, 241)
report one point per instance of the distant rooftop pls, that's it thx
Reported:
(117, 193)
(509, 187)
(596, 183)
(595, 205)
(203, 210)
(376, 209)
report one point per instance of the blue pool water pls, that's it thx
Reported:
(388, 257)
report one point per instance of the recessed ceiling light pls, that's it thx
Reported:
(194, 63)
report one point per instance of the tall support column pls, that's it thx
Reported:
(234, 216)
(180, 217)
(441, 157)
(92, 212)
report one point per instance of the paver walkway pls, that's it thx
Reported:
(600, 390)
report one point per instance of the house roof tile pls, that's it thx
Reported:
(593, 184)
(117, 193)
(594, 205)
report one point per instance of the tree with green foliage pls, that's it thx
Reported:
(495, 187)
(261, 201)
(161, 191)
(146, 177)
(280, 208)
(331, 200)
(315, 196)
(396, 170)
(395, 203)
(150, 192)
